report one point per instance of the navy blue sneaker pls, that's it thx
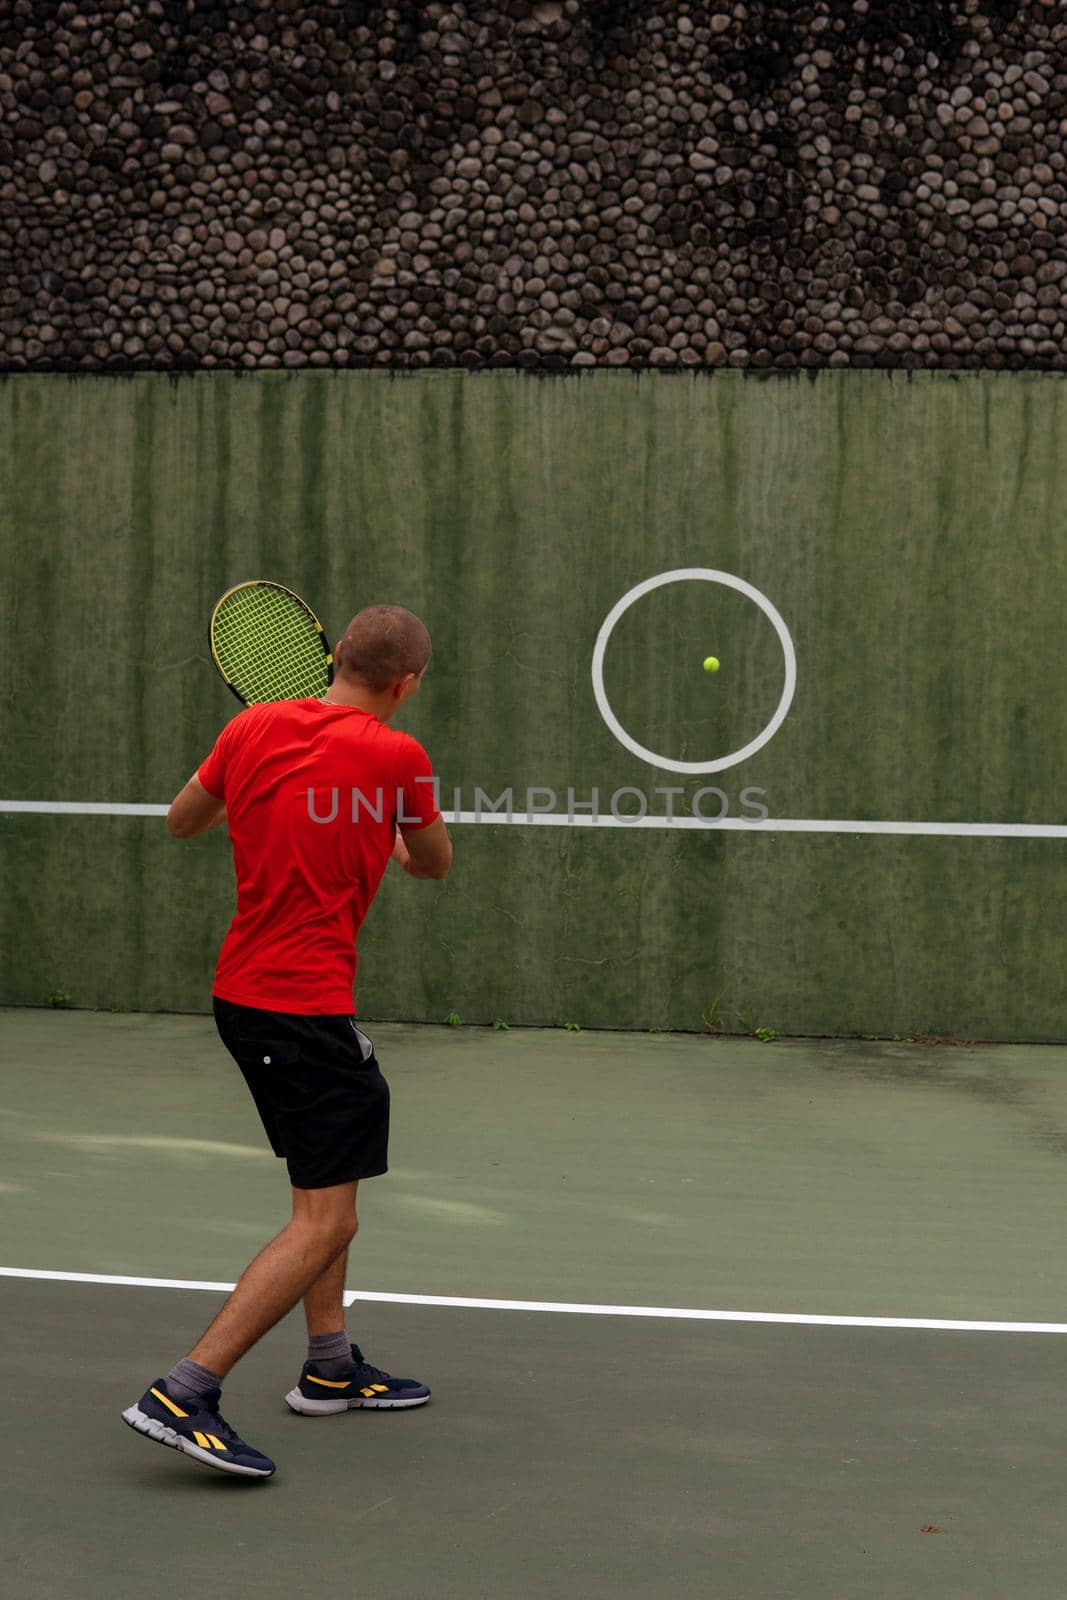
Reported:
(195, 1428)
(365, 1386)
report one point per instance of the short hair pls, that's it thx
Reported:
(382, 644)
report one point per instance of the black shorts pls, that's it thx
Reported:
(318, 1089)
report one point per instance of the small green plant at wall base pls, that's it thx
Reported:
(501, 1026)
(573, 1027)
(454, 1020)
(711, 1016)
(655, 1030)
(753, 1026)
(59, 998)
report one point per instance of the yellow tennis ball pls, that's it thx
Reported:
(711, 663)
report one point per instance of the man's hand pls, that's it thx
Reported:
(194, 811)
(400, 852)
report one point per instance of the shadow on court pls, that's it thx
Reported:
(563, 1453)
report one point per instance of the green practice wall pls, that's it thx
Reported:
(909, 531)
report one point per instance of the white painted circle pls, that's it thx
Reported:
(689, 575)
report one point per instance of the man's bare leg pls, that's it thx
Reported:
(324, 1304)
(323, 1226)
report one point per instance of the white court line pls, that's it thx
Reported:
(678, 1313)
(564, 819)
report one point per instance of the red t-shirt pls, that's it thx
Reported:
(312, 795)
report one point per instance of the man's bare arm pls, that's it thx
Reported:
(424, 852)
(194, 811)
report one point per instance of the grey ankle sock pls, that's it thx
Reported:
(187, 1381)
(331, 1353)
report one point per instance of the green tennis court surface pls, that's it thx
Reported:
(565, 1452)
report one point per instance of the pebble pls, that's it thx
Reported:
(555, 183)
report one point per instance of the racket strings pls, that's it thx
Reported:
(269, 646)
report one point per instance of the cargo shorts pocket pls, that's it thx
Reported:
(271, 1072)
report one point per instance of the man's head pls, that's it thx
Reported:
(384, 652)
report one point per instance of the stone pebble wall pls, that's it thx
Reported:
(563, 184)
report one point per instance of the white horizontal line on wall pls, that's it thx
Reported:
(676, 1313)
(83, 808)
(564, 819)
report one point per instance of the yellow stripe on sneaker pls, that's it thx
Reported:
(208, 1441)
(177, 1410)
(329, 1383)
(368, 1392)
(381, 1388)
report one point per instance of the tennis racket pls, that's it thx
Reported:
(268, 644)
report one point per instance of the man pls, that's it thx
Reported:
(318, 794)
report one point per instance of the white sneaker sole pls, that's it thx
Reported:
(159, 1431)
(331, 1408)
